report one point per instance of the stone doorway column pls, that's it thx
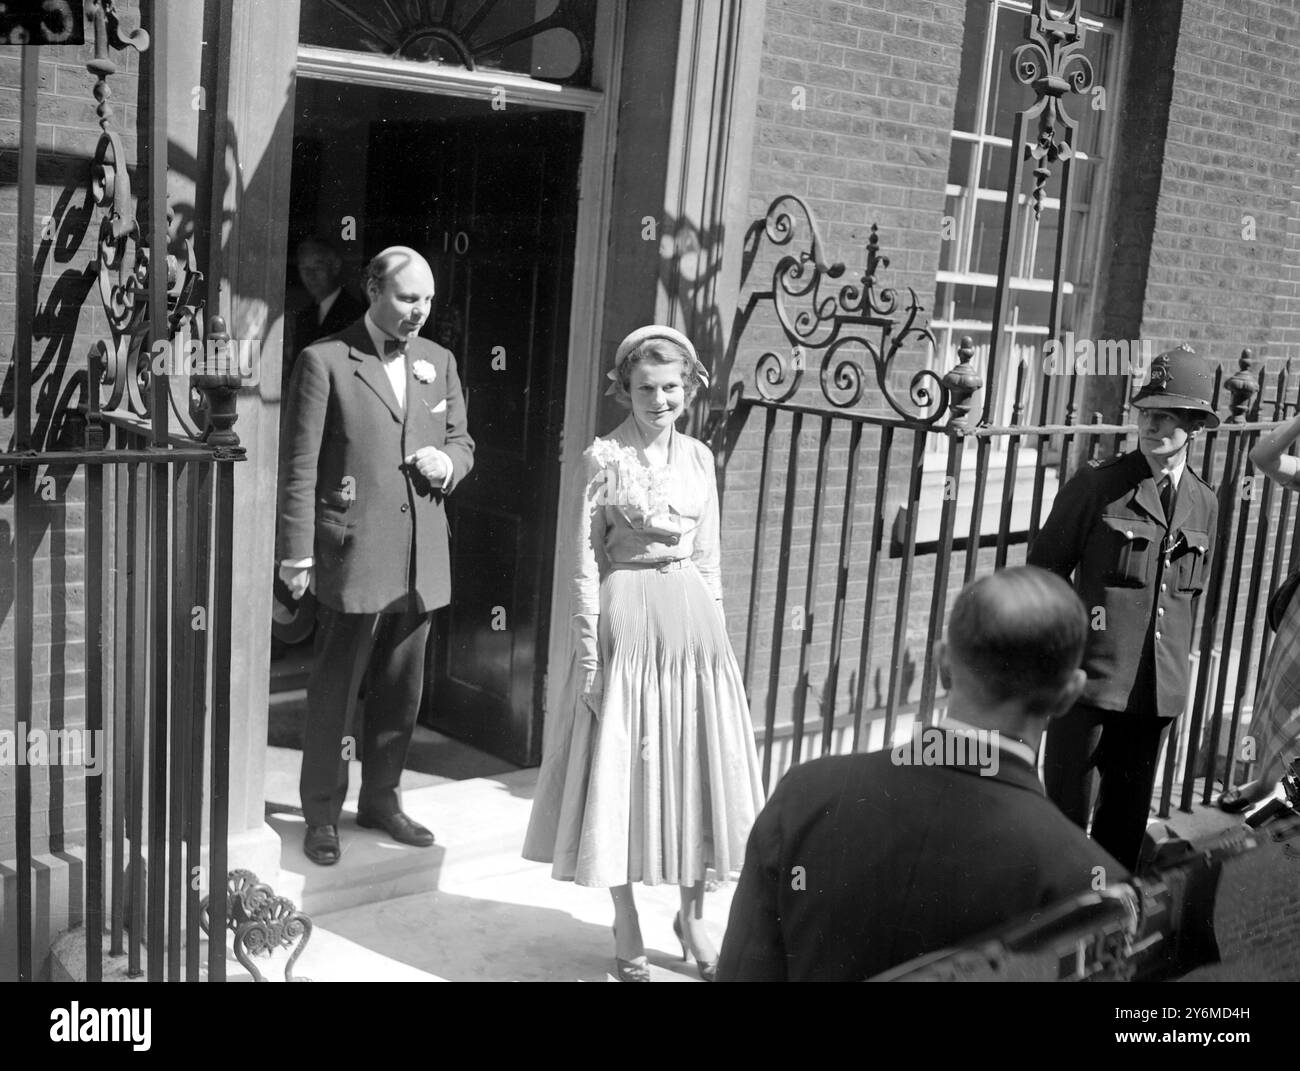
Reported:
(230, 69)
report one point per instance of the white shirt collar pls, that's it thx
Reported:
(394, 365)
(1175, 474)
(378, 337)
(1006, 743)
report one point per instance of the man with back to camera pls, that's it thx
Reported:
(1137, 532)
(374, 440)
(861, 862)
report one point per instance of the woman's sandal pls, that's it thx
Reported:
(630, 970)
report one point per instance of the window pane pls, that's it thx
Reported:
(959, 162)
(995, 166)
(1007, 96)
(951, 244)
(986, 242)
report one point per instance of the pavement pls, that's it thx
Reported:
(468, 909)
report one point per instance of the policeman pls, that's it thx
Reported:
(1136, 532)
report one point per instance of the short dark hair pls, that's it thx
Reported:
(1021, 632)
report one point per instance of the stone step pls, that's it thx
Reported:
(479, 824)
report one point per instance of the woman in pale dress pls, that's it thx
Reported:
(649, 771)
(1275, 723)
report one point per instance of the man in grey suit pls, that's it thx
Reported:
(374, 441)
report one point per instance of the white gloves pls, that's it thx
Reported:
(586, 640)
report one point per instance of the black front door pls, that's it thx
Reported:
(491, 199)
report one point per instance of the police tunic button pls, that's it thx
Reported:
(1157, 635)
(1160, 611)
(1128, 534)
(1164, 587)
(403, 507)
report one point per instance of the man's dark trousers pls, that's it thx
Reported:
(393, 646)
(1123, 747)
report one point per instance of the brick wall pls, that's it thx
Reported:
(1222, 254)
(68, 319)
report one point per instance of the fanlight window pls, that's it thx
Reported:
(549, 40)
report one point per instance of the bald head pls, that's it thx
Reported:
(1017, 637)
(399, 284)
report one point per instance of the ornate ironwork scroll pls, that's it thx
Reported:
(121, 370)
(261, 922)
(433, 31)
(841, 322)
(1052, 63)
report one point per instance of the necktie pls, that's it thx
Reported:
(1167, 498)
(394, 345)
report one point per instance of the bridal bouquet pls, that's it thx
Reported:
(630, 482)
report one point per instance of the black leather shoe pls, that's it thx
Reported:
(402, 829)
(321, 845)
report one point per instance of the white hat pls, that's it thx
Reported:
(644, 334)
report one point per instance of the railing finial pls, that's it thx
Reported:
(1243, 385)
(962, 381)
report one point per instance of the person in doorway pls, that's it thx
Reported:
(375, 439)
(332, 308)
(859, 863)
(1136, 532)
(649, 771)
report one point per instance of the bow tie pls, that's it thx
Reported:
(394, 345)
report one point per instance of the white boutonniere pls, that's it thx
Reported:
(424, 371)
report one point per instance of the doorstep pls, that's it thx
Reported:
(479, 823)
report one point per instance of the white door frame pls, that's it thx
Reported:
(599, 107)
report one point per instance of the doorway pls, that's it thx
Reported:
(491, 200)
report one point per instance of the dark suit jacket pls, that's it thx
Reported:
(1108, 529)
(345, 310)
(375, 527)
(857, 864)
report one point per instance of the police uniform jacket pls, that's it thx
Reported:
(1138, 575)
(375, 527)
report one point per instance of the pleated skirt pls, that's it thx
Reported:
(1275, 723)
(665, 785)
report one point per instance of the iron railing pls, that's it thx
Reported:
(157, 452)
(829, 556)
